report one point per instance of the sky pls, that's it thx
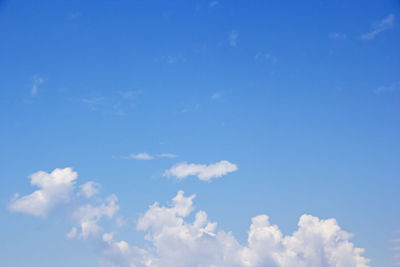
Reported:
(200, 133)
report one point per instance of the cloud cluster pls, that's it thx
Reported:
(383, 25)
(202, 171)
(174, 239)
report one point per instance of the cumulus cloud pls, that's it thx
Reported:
(55, 188)
(202, 171)
(88, 216)
(175, 241)
(176, 238)
(383, 25)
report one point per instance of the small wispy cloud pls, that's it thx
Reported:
(171, 59)
(74, 15)
(146, 156)
(266, 57)
(131, 94)
(216, 96)
(233, 38)
(213, 3)
(396, 247)
(191, 108)
(167, 155)
(92, 102)
(37, 80)
(337, 36)
(387, 89)
(385, 24)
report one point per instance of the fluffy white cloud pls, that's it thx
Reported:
(202, 171)
(176, 242)
(377, 28)
(55, 188)
(173, 239)
(89, 189)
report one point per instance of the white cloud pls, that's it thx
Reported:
(383, 25)
(55, 188)
(173, 239)
(146, 156)
(233, 38)
(202, 171)
(89, 189)
(141, 156)
(88, 216)
(37, 80)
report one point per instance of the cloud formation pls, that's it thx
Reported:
(55, 188)
(174, 239)
(202, 171)
(383, 25)
(233, 38)
(387, 89)
(337, 35)
(89, 189)
(37, 80)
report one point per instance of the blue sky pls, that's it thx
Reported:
(257, 107)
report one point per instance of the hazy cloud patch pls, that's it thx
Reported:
(385, 24)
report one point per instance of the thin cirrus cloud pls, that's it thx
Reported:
(394, 87)
(396, 247)
(37, 80)
(202, 171)
(233, 38)
(146, 156)
(175, 240)
(385, 24)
